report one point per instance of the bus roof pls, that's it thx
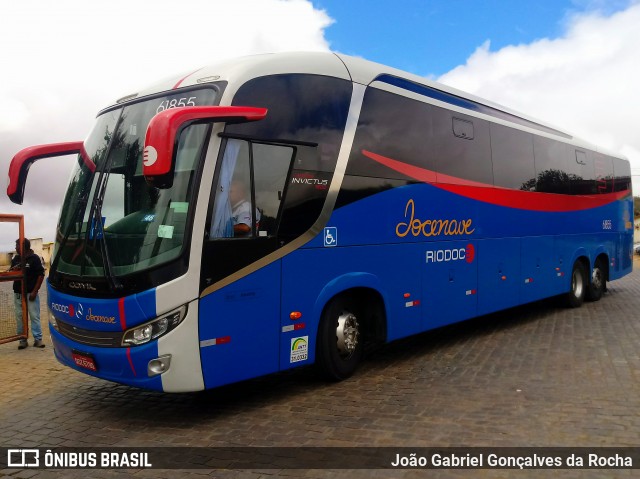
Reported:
(239, 70)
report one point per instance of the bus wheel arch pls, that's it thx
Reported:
(349, 321)
(578, 284)
(598, 278)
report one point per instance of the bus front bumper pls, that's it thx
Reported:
(130, 366)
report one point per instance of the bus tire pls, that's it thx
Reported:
(575, 297)
(598, 283)
(339, 345)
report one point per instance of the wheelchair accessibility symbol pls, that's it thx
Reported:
(331, 236)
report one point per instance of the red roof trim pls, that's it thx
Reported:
(177, 85)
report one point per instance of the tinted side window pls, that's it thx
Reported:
(302, 108)
(309, 108)
(355, 188)
(582, 172)
(395, 127)
(305, 195)
(457, 156)
(622, 172)
(603, 166)
(512, 158)
(551, 158)
(270, 170)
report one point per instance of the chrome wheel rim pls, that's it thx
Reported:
(347, 334)
(597, 278)
(577, 284)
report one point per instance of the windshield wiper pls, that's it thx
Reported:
(95, 215)
(107, 264)
(77, 219)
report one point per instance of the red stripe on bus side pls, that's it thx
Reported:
(123, 319)
(131, 361)
(524, 200)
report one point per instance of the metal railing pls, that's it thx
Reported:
(18, 275)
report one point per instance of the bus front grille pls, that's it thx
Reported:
(105, 339)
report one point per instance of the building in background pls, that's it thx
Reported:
(38, 246)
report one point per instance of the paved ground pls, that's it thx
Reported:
(538, 375)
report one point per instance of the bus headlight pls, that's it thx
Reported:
(52, 321)
(154, 329)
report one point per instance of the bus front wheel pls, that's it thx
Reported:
(339, 346)
(575, 296)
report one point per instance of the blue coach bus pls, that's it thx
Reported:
(280, 210)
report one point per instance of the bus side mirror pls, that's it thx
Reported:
(22, 161)
(163, 133)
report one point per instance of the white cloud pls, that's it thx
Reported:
(63, 61)
(584, 82)
(14, 113)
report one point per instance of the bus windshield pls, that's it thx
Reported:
(112, 222)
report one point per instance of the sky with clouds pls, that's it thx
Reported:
(573, 63)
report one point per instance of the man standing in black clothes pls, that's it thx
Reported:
(33, 277)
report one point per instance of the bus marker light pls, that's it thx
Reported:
(503, 278)
(215, 341)
(208, 79)
(293, 327)
(412, 303)
(528, 280)
(407, 295)
(471, 292)
(295, 315)
(127, 98)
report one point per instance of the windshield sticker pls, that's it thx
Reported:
(179, 206)
(95, 231)
(165, 231)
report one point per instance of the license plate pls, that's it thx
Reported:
(84, 360)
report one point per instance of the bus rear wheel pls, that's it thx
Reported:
(598, 283)
(340, 343)
(576, 295)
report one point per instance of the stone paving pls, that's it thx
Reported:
(537, 375)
